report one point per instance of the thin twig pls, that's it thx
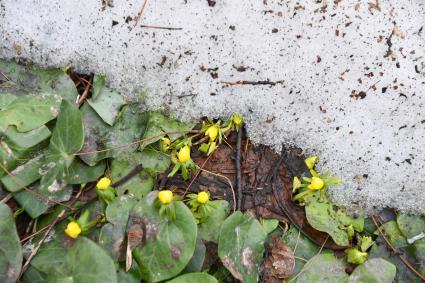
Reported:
(167, 28)
(139, 15)
(395, 251)
(270, 83)
(6, 198)
(230, 184)
(133, 143)
(85, 93)
(57, 219)
(6, 77)
(238, 169)
(198, 172)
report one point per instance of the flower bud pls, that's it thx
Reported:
(212, 132)
(104, 183)
(73, 229)
(203, 197)
(184, 154)
(316, 184)
(165, 196)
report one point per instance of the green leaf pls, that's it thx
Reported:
(197, 261)
(376, 270)
(323, 268)
(138, 186)
(24, 175)
(393, 234)
(303, 248)
(169, 244)
(210, 229)
(80, 173)
(37, 202)
(269, 225)
(155, 160)
(410, 225)
(241, 246)
(10, 247)
(27, 139)
(32, 275)
(111, 236)
(322, 216)
(158, 125)
(194, 277)
(106, 103)
(116, 140)
(29, 112)
(6, 99)
(23, 80)
(84, 262)
(67, 139)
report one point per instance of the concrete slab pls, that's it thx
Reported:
(342, 79)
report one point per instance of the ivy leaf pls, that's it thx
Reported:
(24, 175)
(28, 139)
(158, 125)
(111, 141)
(269, 225)
(210, 229)
(241, 246)
(197, 261)
(105, 102)
(324, 268)
(80, 173)
(376, 270)
(84, 262)
(169, 244)
(67, 139)
(10, 247)
(194, 277)
(393, 234)
(24, 80)
(410, 225)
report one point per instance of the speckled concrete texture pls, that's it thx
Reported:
(343, 79)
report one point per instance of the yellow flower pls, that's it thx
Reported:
(311, 161)
(73, 229)
(203, 197)
(184, 154)
(165, 144)
(316, 183)
(212, 132)
(104, 183)
(165, 196)
(296, 183)
(237, 119)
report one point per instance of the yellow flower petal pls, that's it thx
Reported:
(316, 184)
(73, 229)
(311, 161)
(104, 183)
(165, 196)
(212, 132)
(184, 154)
(203, 197)
(296, 184)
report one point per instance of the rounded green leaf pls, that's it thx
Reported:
(10, 247)
(323, 268)
(210, 229)
(375, 270)
(194, 277)
(241, 246)
(168, 244)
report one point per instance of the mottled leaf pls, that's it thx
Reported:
(194, 277)
(323, 268)
(241, 246)
(375, 270)
(10, 247)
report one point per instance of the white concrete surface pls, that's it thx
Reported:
(351, 74)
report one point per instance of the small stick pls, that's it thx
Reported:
(85, 93)
(396, 252)
(252, 83)
(238, 169)
(139, 15)
(6, 198)
(166, 28)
